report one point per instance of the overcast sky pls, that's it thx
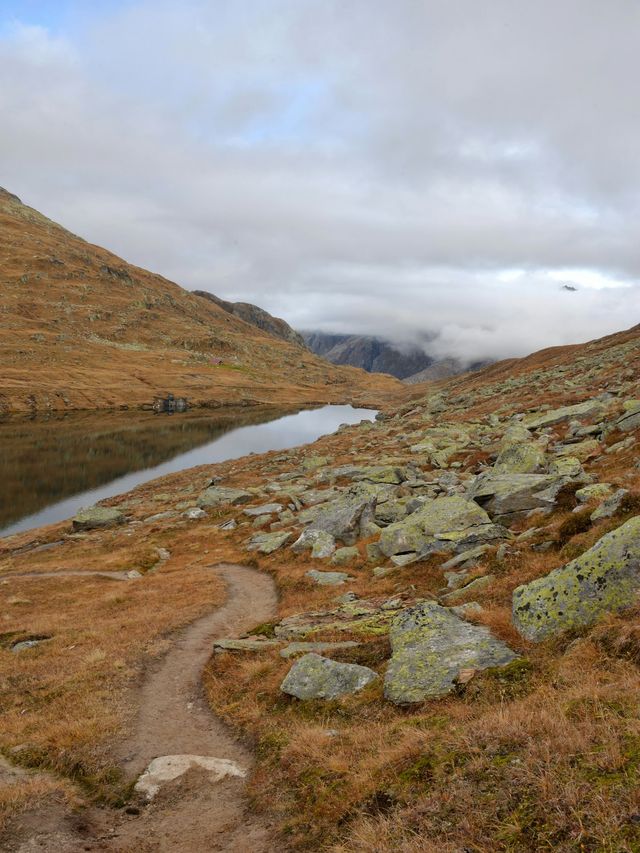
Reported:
(398, 168)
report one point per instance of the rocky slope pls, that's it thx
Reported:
(257, 317)
(83, 329)
(454, 663)
(371, 354)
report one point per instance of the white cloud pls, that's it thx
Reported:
(414, 170)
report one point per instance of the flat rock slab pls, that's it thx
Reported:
(265, 509)
(216, 495)
(302, 648)
(166, 768)
(605, 579)
(267, 543)
(431, 646)
(315, 677)
(247, 644)
(328, 578)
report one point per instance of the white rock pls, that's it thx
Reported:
(169, 767)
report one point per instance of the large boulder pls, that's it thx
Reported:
(419, 531)
(218, 495)
(503, 495)
(631, 417)
(579, 411)
(344, 517)
(524, 458)
(605, 579)
(95, 517)
(315, 677)
(431, 646)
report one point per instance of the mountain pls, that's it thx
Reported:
(83, 329)
(443, 369)
(369, 353)
(257, 317)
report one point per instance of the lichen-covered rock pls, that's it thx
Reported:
(321, 543)
(567, 466)
(588, 409)
(525, 458)
(315, 677)
(264, 509)
(505, 494)
(95, 517)
(605, 579)
(216, 495)
(609, 506)
(631, 417)
(390, 474)
(267, 543)
(303, 648)
(596, 491)
(581, 450)
(343, 517)
(450, 515)
(344, 556)
(245, 644)
(328, 578)
(431, 645)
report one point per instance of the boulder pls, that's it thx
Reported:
(609, 506)
(588, 409)
(503, 495)
(431, 646)
(328, 578)
(303, 648)
(631, 417)
(605, 579)
(216, 495)
(581, 450)
(597, 491)
(267, 543)
(315, 677)
(265, 509)
(95, 517)
(344, 556)
(525, 458)
(321, 543)
(417, 532)
(343, 517)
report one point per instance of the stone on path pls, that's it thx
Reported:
(168, 767)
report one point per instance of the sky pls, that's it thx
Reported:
(429, 172)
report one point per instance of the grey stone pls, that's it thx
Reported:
(217, 495)
(605, 579)
(431, 646)
(265, 509)
(267, 543)
(328, 578)
(303, 648)
(610, 506)
(315, 677)
(95, 517)
(344, 556)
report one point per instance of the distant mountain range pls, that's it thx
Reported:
(376, 355)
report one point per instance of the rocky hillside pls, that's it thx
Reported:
(83, 329)
(442, 369)
(370, 354)
(256, 317)
(455, 660)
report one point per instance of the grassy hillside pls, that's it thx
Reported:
(82, 329)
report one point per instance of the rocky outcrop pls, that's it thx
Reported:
(256, 316)
(605, 579)
(431, 648)
(96, 517)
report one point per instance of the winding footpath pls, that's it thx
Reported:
(193, 814)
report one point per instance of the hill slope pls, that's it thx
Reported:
(256, 316)
(499, 710)
(82, 329)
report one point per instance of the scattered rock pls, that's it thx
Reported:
(267, 543)
(321, 543)
(343, 556)
(302, 648)
(246, 644)
(216, 495)
(315, 677)
(265, 509)
(328, 578)
(588, 409)
(609, 506)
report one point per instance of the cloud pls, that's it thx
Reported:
(362, 167)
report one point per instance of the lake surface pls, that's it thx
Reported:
(51, 467)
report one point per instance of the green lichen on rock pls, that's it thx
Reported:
(315, 677)
(95, 517)
(431, 646)
(605, 579)
(217, 495)
(524, 458)
(456, 515)
(590, 408)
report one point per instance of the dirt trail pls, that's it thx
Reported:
(116, 576)
(190, 815)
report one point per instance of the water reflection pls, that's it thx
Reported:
(51, 467)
